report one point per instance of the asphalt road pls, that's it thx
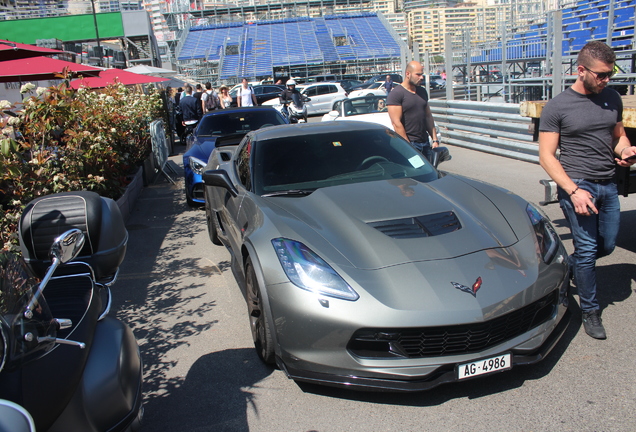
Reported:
(178, 294)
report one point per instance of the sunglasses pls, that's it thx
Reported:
(600, 75)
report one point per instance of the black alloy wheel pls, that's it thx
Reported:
(259, 320)
(212, 223)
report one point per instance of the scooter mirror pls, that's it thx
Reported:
(14, 418)
(67, 246)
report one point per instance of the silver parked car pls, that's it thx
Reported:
(363, 265)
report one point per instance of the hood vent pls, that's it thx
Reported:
(421, 226)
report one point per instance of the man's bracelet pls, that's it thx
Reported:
(574, 191)
(624, 148)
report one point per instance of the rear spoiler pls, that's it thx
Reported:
(229, 140)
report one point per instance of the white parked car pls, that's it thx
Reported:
(371, 109)
(322, 96)
(374, 89)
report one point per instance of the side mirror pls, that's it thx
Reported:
(15, 418)
(334, 114)
(219, 178)
(67, 246)
(440, 154)
(306, 99)
(64, 248)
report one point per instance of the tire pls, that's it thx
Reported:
(213, 225)
(260, 324)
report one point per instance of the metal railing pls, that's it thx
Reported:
(495, 128)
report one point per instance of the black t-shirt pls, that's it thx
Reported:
(413, 111)
(585, 124)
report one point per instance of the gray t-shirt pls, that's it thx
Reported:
(413, 111)
(585, 124)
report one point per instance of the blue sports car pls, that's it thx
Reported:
(229, 124)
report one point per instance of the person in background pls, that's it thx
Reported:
(178, 116)
(388, 84)
(197, 95)
(224, 96)
(190, 109)
(209, 99)
(245, 96)
(410, 112)
(585, 122)
(169, 100)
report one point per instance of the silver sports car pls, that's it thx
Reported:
(363, 265)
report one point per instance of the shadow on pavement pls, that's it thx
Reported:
(159, 294)
(214, 396)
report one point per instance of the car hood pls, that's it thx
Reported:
(360, 220)
(202, 149)
(377, 118)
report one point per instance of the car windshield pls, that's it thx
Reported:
(365, 105)
(309, 162)
(225, 123)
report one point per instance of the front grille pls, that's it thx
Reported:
(421, 226)
(451, 340)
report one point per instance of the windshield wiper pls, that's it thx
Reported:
(291, 192)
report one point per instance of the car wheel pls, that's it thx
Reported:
(213, 225)
(259, 320)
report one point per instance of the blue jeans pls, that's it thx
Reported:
(424, 148)
(594, 236)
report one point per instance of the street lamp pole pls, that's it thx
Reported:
(99, 47)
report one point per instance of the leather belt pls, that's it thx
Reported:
(599, 180)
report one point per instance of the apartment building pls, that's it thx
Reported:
(430, 27)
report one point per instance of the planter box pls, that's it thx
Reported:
(127, 201)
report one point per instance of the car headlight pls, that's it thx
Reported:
(197, 165)
(308, 271)
(547, 237)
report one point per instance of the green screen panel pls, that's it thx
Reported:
(64, 28)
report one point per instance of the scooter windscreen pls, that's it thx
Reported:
(27, 334)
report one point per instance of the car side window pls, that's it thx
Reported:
(336, 106)
(243, 165)
(332, 89)
(322, 89)
(258, 90)
(312, 91)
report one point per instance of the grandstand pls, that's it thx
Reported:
(361, 43)
(582, 22)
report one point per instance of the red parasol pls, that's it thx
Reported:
(108, 76)
(14, 50)
(39, 69)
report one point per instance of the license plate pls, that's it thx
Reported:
(484, 366)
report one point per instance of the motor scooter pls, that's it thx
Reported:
(294, 110)
(63, 358)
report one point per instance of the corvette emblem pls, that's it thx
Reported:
(470, 290)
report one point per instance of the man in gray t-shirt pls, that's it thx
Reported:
(585, 124)
(410, 113)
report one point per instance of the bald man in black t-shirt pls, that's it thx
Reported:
(410, 112)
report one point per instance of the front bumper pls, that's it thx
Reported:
(194, 186)
(444, 374)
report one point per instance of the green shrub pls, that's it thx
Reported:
(68, 140)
